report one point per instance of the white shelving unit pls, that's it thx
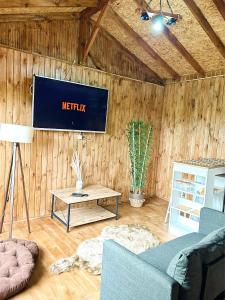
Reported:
(195, 184)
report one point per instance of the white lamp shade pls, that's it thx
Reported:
(16, 133)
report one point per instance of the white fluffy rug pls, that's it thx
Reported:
(135, 238)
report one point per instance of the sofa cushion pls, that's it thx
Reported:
(213, 246)
(161, 256)
(187, 266)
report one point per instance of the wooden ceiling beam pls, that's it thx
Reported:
(174, 41)
(38, 17)
(39, 10)
(155, 77)
(90, 11)
(83, 33)
(48, 3)
(95, 30)
(143, 44)
(220, 5)
(85, 15)
(183, 51)
(196, 11)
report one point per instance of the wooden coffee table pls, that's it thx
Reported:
(72, 217)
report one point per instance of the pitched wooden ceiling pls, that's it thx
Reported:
(194, 46)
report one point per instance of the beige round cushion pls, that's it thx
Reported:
(30, 245)
(16, 266)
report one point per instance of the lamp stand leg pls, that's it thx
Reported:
(6, 195)
(12, 189)
(24, 190)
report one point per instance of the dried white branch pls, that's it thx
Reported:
(77, 166)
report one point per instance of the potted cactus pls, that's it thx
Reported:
(140, 140)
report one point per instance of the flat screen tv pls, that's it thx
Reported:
(68, 106)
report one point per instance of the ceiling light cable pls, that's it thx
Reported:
(170, 7)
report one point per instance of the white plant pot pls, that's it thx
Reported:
(79, 185)
(136, 200)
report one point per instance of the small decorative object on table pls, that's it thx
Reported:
(140, 139)
(77, 168)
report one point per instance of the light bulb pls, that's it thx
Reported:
(157, 24)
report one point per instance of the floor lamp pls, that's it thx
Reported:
(15, 134)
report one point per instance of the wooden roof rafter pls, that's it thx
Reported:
(155, 77)
(174, 41)
(142, 43)
(84, 16)
(48, 3)
(90, 11)
(95, 30)
(220, 5)
(196, 11)
(23, 7)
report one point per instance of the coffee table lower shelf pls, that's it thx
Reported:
(83, 215)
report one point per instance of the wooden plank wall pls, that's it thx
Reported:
(193, 126)
(59, 39)
(56, 38)
(47, 160)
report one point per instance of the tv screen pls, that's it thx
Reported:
(65, 105)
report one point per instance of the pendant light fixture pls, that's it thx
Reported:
(159, 18)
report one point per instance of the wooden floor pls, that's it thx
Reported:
(55, 243)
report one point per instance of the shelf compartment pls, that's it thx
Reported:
(194, 187)
(189, 182)
(195, 193)
(218, 190)
(85, 215)
(188, 210)
(195, 212)
(182, 224)
(183, 191)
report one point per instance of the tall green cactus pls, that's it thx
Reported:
(140, 140)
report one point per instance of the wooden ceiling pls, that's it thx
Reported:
(194, 46)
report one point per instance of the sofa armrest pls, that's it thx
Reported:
(125, 276)
(210, 220)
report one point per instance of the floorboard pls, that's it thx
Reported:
(55, 243)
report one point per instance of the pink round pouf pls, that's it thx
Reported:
(30, 245)
(17, 263)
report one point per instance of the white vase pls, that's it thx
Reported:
(79, 185)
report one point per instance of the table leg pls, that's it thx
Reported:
(53, 203)
(68, 218)
(117, 207)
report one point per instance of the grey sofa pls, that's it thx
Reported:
(126, 276)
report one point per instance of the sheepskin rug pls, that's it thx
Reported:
(135, 238)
